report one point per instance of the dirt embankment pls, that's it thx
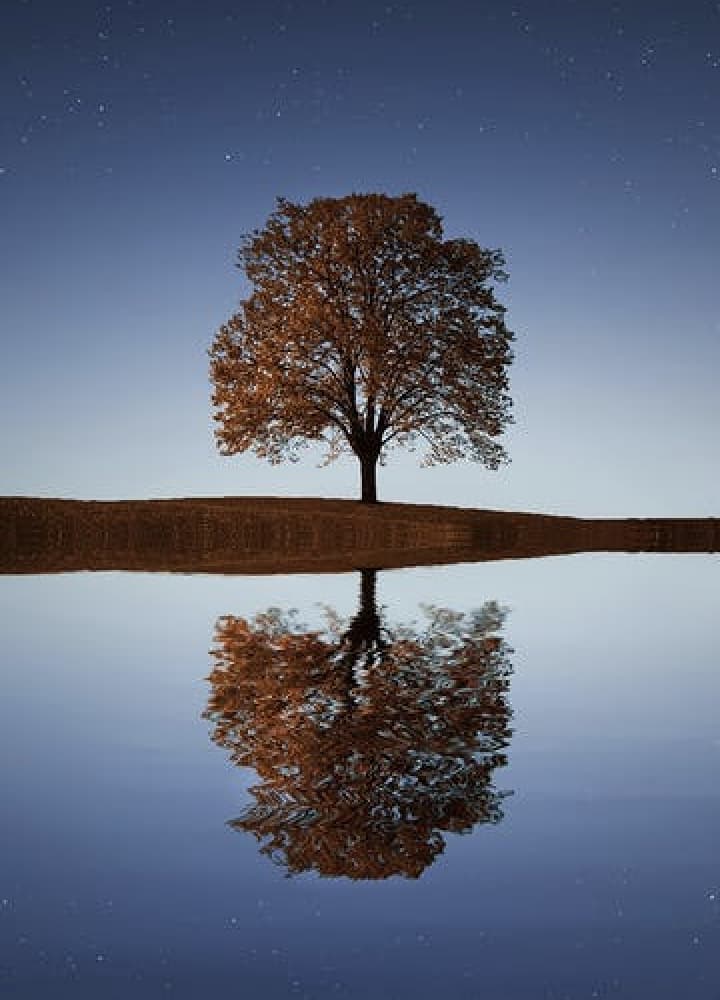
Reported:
(270, 535)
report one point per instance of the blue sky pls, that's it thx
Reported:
(140, 140)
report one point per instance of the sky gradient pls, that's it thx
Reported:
(140, 140)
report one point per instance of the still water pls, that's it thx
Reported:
(513, 798)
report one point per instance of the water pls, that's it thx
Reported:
(594, 870)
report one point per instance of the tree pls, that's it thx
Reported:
(369, 741)
(365, 330)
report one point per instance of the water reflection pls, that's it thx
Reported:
(265, 535)
(370, 739)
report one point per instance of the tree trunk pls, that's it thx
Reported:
(367, 612)
(362, 640)
(363, 637)
(368, 478)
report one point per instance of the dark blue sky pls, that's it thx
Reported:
(140, 140)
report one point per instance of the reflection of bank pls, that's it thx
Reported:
(266, 535)
(370, 740)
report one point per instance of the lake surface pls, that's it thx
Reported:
(520, 801)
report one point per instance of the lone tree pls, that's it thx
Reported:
(371, 740)
(365, 329)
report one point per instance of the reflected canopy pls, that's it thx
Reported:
(370, 740)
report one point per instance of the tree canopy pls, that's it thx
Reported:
(370, 740)
(365, 329)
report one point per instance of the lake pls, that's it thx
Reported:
(514, 798)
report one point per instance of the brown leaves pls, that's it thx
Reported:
(368, 741)
(366, 329)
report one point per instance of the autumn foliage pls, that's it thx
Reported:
(368, 743)
(365, 329)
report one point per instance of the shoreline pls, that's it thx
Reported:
(260, 535)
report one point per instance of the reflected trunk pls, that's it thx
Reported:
(363, 640)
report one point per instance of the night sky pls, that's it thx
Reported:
(140, 140)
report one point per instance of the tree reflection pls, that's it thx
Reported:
(370, 740)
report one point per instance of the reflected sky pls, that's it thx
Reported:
(119, 873)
